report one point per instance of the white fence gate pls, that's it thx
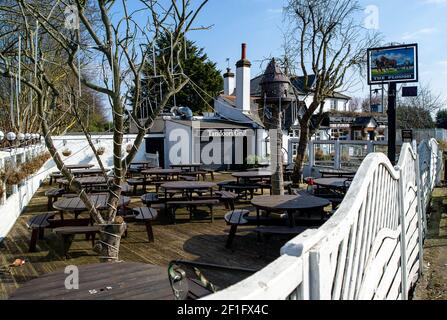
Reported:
(370, 249)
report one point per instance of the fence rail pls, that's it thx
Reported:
(370, 249)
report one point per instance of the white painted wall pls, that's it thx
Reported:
(229, 85)
(243, 100)
(81, 153)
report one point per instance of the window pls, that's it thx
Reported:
(358, 135)
(294, 133)
(333, 105)
(339, 134)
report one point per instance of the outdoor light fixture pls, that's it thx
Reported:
(27, 136)
(11, 136)
(20, 137)
(2, 136)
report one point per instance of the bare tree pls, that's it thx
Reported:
(116, 46)
(419, 111)
(327, 43)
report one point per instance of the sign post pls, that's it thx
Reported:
(392, 65)
(392, 90)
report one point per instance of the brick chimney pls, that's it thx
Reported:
(229, 83)
(243, 76)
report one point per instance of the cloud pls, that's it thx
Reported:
(419, 33)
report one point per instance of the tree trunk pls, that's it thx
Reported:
(109, 243)
(301, 152)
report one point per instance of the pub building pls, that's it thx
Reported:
(234, 134)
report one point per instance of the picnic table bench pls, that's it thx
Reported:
(52, 195)
(191, 205)
(68, 234)
(38, 224)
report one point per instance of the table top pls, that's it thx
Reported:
(289, 202)
(87, 180)
(331, 182)
(76, 204)
(88, 171)
(188, 185)
(104, 281)
(339, 172)
(143, 163)
(185, 165)
(79, 166)
(252, 174)
(157, 171)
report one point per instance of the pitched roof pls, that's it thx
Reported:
(297, 82)
(364, 121)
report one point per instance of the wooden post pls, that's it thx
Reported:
(392, 122)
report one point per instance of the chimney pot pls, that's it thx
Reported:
(244, 51)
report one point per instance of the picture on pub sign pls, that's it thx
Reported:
(393, 64)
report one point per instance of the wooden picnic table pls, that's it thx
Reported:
(187, 166)
(339, 173)
(289, 203)
(79, 166)
(76, 205)
(250, 175)
(87, 181)
(88, 172)
(332, 183)
(104, 281)
(161, 172)
(144, 164)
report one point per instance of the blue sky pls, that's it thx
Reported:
(259, 23)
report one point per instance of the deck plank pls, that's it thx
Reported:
(198, 240)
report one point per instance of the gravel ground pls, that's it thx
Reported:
(433, 285)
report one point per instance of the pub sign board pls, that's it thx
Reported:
(397, 64)
(407, 135)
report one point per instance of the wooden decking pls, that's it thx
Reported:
(198, 240)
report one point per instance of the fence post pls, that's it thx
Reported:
(421, 225)
(311, 155)
(403, 241)
(337, 158)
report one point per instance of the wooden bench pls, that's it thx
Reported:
(224, 183)
(211, 172)
(146, 215)
(150, 198)
(54, 176)
(187, 178)
(68, 234)
(244, 189)
(53, 195)
(38, 224)
(193, 204)
(235, 218)
(228, 198)
(137, 182)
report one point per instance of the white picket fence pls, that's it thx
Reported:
(370, 249)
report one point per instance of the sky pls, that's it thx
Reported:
(259, 23)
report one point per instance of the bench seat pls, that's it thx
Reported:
(38, 224)
(190, 204)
